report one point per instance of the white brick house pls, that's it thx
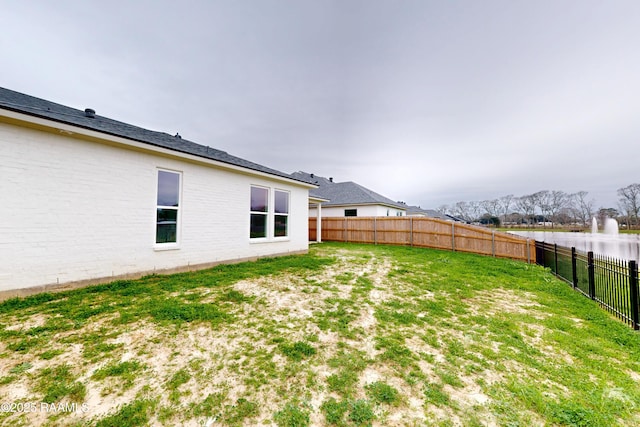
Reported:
(348, 199)
(88, 199)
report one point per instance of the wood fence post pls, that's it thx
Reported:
(411, 231)
(453, 236)
(592, 275)
(555, 258)
(493, 243)
(375, 231)
(633, 285)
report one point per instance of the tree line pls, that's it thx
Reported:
(549, 208)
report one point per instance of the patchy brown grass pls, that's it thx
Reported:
(303, 343)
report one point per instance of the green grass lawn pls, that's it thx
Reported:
(348, 335)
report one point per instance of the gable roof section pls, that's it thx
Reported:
(431, 213)
(26, 104)
(344, 193)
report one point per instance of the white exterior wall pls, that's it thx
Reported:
(76, 210)
(363, 210)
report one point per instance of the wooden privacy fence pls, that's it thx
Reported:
(425, 233)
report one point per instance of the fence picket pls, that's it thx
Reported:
(592, 279)
(574, 268)
(633, 294)
(424, 232)
(611, 282)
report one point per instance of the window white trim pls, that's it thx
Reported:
(261, 213)
(281, 214)
(175, 243)
(270, 215)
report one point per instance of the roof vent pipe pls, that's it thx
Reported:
(90, 112)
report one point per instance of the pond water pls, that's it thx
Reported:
(622, 246)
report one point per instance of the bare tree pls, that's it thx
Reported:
(582, 208)
(557, 201)
(542, 200)
(515, 218)
(475, 210)
(461, 210)
(527, 206)
(550, 204)
(492, 207)
(564, 216)
(444, 209)
(556, 206)
(630, 202)
(505, 206)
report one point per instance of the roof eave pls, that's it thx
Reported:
(314, 199)
(12, 116)
(337, 205)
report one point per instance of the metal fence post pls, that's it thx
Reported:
(574, 267)
(633, 285)
(592, 276)
(555, 258)
(540, 256)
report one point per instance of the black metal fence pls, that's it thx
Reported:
(613, 283)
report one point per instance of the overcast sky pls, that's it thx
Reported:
(429, 102)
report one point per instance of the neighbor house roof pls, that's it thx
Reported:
(344, 193)
(21, 103)
(431, 213)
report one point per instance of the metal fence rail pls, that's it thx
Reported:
(612, 282)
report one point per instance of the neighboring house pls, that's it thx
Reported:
(430, 213)
(88, 199)
(348, 198)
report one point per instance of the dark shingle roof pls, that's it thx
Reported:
(19, 102)
(431, 213)
(344, 193)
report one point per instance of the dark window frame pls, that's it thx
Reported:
(351, 212)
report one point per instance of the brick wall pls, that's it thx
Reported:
(78, 210)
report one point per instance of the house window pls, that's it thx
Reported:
(281, 214)
(351, 212)
(167, 207)
(259, 212)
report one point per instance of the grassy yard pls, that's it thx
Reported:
(349, 335)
